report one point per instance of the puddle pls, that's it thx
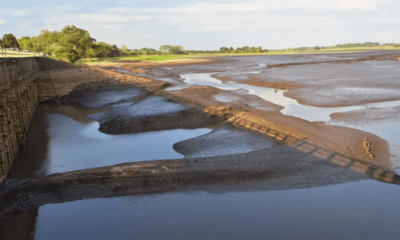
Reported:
(360, 210)
(226, 98)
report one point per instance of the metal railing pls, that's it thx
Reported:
(8, 53)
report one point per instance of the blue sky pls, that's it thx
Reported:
(203, 24)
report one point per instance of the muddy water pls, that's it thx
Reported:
(360, 210)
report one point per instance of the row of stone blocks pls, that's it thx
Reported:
(18, 102)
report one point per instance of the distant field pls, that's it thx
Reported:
(160, 58)
(153, 58)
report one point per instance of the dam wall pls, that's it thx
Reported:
(18, 102)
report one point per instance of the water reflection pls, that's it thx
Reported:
(360, 210)
(74, 145)
(22, 227)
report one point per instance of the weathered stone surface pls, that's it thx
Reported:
(18, 101)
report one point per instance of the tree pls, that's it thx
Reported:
(9, 41)
(166, 48)
(115, 52)
(176, 49)
(223, 49)
(47, 42)
(100, 49)
(75, 41)
(124, 48)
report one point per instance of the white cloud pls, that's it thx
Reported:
(106, 18)
(99, 18)
(206, 24)
(20, 13)
(261, 6)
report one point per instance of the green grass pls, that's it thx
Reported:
(152, 58)
(160, 58)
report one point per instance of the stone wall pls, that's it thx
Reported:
(18, 102)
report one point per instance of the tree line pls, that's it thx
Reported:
(73, 43)
(345, 45)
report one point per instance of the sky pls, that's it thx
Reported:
(209, 25)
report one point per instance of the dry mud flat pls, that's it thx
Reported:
(246, 147)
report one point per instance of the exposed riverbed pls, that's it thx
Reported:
(384, 127)
(223, 182)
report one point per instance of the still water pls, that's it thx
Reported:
(74, 145)
(360, 210)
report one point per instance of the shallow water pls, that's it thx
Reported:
(291, 106)
(387, 128)
(360, 210)
(74, 145)
(336, 84)
(276, 96)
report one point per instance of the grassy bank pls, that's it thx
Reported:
(152, 58)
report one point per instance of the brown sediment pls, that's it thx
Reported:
(141, 66)
(205, 96)
(344, 141)
(370, 58)
(306, 101)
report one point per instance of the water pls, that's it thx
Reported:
(360, 210)
(385, 127)
(74, 145)
(276, 96)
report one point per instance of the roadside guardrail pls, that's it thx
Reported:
(8, 53)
